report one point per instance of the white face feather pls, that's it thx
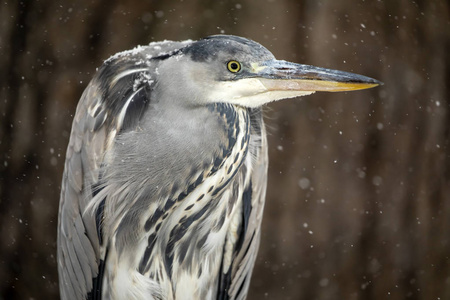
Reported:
(249, 92)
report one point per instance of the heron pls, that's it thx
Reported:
(166, 169)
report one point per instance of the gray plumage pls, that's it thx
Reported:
(166, 169)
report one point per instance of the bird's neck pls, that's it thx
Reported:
(188, 219)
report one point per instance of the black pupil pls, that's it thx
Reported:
(234, 66)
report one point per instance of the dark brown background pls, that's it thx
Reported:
(358, 202)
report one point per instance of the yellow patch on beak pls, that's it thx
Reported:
(257, 68)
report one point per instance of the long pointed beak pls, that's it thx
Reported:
(279, 75)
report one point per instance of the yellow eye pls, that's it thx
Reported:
(234, 66)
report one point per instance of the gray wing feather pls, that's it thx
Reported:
(78, 245)
(79, 249)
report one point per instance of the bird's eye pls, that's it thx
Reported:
(234, 66)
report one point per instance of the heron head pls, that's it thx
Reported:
(239, 71)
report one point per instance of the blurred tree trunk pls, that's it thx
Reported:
(358, 202)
